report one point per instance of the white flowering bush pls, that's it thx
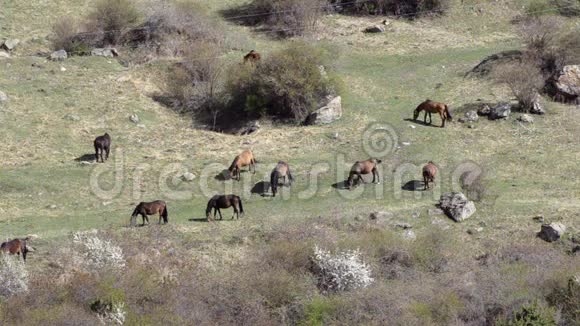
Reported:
(99, 252)
(342, 271)
(114, 314)
(13, 275)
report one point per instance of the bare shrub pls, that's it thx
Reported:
(110, 19)
(98, 252)
(567, 299)
(341, 271)
(13, 275)
(524, 80)
(405, 8)
(569, 8)
(430, 252)
(64, 35)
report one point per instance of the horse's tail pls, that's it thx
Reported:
(241, 206)
(448, 113)
(164, 214)
(274, 181)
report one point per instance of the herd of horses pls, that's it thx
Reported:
(102, 145)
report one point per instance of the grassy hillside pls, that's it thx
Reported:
(56, 109)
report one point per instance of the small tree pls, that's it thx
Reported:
(524, 80)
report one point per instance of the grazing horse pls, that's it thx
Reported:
(433, 107)
(282, 170)
(224, 201)
(246, 158)
(152, 208)
(252, 57)
(15, 247)
(102, 144)
(363, 167)
(429, 173)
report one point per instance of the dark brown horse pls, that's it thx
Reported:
(246, 158)
(15, 247)
(429, 173)
(433, 107)
(252, 57)
(282, 170)
(152, 208)
(102, 145)
(363, 167)
(224, 201)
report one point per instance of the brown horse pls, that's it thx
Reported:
(429, 173)
(102, 144)
(224, 201)
(246, 158)
(282, 170)
(363, 167)
(252, 57)
(15, 247)
(433, 107)
(152, 208)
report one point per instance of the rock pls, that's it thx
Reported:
(250, 128)
(567, 84)
(484, 110)
(59, 55)
(386, 22)
(471, 116)
(500, 111)
(51, 206)
(526, 118)
(4, 54)
(10, 44)
(329, 113)
(188, 176)
(403, 225)
(441, 223)
(382, 215)
(105, 52)
(62, 69)
(3, 97)
(134, 118)
(435, 211)
(539, 219)
(456, 206)
(552, 232)
(406, 143)
(409, 235)
(375, 29)
(537, 108)
(72, 117)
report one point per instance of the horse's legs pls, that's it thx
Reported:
(24, 255)
(425, 182)
(220, 212)
(376, 173)
(97, 154)
(236, 212)
(442, 119)
(107, 150)
(160, 218)
(425, 118)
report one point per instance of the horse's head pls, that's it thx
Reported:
(416, 113)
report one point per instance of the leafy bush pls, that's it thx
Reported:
(406, 8)
(531, 315)
(13, 275)
(288, 84)
(341, 271)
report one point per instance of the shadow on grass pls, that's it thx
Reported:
(422, 123)
(341, 185)
(86, 158)
(204, 220)
(413, 185)
(261, 188)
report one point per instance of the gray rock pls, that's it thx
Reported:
(435, 211)
(375, 29)
(552, 232)
(409, 235)
(3, 97)
(4, 55)
(105, 52)
(484, 110)
(568, 81)
(403, 225)
(10, 44)
(188, 176)
(537, 108)
(59, 55)
(329, 113)
(250, 128)
(471, 116)
(500, 111)
(72, 117)
(526, 118)
(456, 206)
(134, 118)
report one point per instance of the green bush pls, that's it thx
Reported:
(530, 315)
(568, 8)
(288, 84)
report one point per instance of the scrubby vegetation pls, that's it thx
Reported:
(402, 8)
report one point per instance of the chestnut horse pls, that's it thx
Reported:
(252, 57)
(152, 208)
(282, 170)
(429, 173)
(246, 158)
(433, 107)
(224, 201)
(15, 247)
(363, 167)
(102, 144)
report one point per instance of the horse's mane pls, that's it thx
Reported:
(234, 163)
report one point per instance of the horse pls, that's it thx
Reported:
(252, 57)
(429, 173)
(154, 207)
(16, 247)
(246, 158)
(102, 144)
(224, 201)
(282, 170)
(433, 107)
(363, 167)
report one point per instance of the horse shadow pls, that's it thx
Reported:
(223, 176)
(341, 185)
(413, 185)
(261, 188)
(86, 158)
(420, 121)
(193, 219)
